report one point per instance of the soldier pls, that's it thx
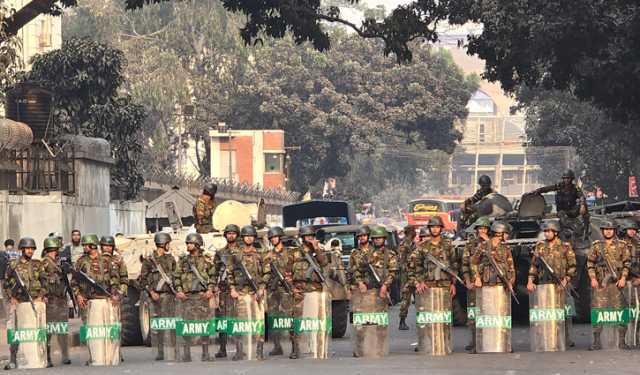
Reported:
(156, 277)
(630, 236)
(203, 209)
(481, 227)
(426, 274)
(28, 271)
(119, 268)
(372, 272)
(404, 251)
(561, 260)
(249, 295)
(468, 208)
(305, 282)
(280, 300)
(608, 265)
(56, 282)
(222, 261)
(569, 198)
(194, 280)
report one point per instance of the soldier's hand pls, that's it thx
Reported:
(362, 287)
(594, 284)
(564, 282)
(469, 285)
(207, 295)
(115, 298)
(154, 296)
(478, 283)
(383, 291)
(622, 282)
(452, 288)
(636, 282)
(14, 301)
(531, 287)
(181, 296)
(234, 294)
(82, 302)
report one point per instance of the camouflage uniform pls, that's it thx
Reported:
(119, 269)
(404, 252)
(203, 213)
(279, 302)
(634, 272)
(194, 307)
(223, 260)
(100, 270)
(481, 266)
(57, 310)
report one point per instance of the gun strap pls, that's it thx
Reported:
(195, 271)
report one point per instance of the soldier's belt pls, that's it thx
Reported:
(196, 292)
(435, 284)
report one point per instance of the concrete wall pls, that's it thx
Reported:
(127, 217)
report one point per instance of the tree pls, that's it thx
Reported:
(85, 78)
(8, 53)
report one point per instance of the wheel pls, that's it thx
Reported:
(130, 319)
(144, 313)
(340, 318)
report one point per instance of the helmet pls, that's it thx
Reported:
(162, 238)
(424, 232)
(551, 225)
(484, 181)
(52, 243)
(307, 230)
(26, 242)
(569, 174)
(607, 224)
(275, 232)
(378, 232)
(231, 228)
(498, 227)
(194, 238)
(408, 229)
(629, 224)
(435, 221)
(482, 221)
(509, 227)
(248, 230)
(107, 240)
(89, 239)
(363, 230)
(210, 189)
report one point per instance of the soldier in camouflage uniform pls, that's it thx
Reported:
(280, 302)
(607, 286)
(118, 267)
(468, 206)
(383, 261)
(30, 272)
(204, 208)
(55, 280)
(562, 259)
(481, 227)
(303, 281)
(155, 269)
(194, 279)
(240, 285)
(404, 251)
(222, 261)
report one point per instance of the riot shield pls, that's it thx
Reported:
(632, 297)
(370, 328)
(57, 327)
(493, 321)
(433, 321)
(194, 326)
(312, 326)
(101, 332)
(279, 316)
(609, 315)
(547, 319)
(29, 333)
(247, 326)
(163, 327)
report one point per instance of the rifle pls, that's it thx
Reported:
(445, 268)
(568, 288)
(281, 279)
(25, 292)
(199, 278)
(378, 281)
(163, 276)
(612, 272)
(502, 277)
(94, 284)
(223, 275)
(249, 278)
(66, 269)
(314, 268)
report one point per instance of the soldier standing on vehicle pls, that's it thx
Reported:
(27, 271)
(223, 260)
(247, 283)
(156, 277)
(481, 227)
(404, 251)
(204, 208)
(608, 264)
(569, 198)
(468, 206)
(280, 301)
(553, 262)
(194, 283)
(55, 280)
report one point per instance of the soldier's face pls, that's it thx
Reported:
(378, 241)
(363, 239)
(483, 231)
(28, 252)
(275, 240)
(231, 237)
(435, 230)
(92, 250)
(498, 236)
(567, 181)
(631, 232)
(191, 247)
(248, 240)
(608, 233)
(550, 235)
(53, 253)
(106, 249)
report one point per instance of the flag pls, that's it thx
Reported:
(633, 187)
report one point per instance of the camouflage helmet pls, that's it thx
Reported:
(482, 221)
(248, 230)
(26, 242)
(607, 224)
(568, 174)
(52, 243)
(498, 227)
(307, 230)
(424, 232)
(629, 224)
(275, 232)
(435, 221)
(210, 189)
(509, 227)
(108, 241)
(409, 229)
(363, 230)
(378, 232)
(89, 239)
(161, 238)
(551, 225)
(194, 238)
(231, 228)
(484, 181)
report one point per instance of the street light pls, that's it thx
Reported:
(223, 128)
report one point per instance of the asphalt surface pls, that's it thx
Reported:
(402, 360)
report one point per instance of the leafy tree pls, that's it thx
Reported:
(85, 78)
(8, 53)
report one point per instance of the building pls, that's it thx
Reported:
(254, 157)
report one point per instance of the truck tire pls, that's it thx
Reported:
(340, 318)
(130, 319)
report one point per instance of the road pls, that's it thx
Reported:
(402, 360)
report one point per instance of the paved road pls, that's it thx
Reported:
(401, 361)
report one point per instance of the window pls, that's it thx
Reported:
(464, 178)
(481, 133)
(513, 159)
(533, 178)
(44, 37)
(224, 164)
(488, 159)
(464, 159)
(273, 162)
(511, 178)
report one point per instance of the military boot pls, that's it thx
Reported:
(186, 357)
(222, 350)
(403, 325)
(622, 332)
(205, 354)
(64, 348)
(568, 327)
(295, 349)
(471, 348)
(160, 354)
(260, 350)
(13, 358)
(596, 345)
(239, 352)
(277, 346)
(49, 362)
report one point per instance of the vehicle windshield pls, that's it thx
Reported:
(348, 240)
(323, 221)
